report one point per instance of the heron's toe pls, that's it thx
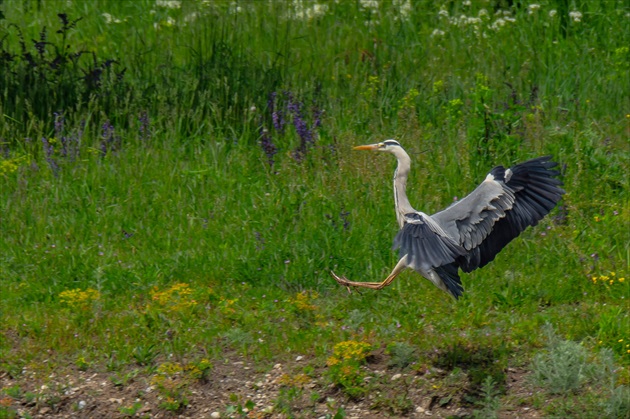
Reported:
(341, 280)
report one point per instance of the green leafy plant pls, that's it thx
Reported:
(402, 355)
(563, 367)
(344, 366)
(489, 401)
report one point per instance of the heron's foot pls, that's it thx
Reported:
(342, 281)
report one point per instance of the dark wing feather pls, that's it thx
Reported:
(424, 247)
(450, 277)
(536, 193)
(504, 205)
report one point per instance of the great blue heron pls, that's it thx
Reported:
(469, 233)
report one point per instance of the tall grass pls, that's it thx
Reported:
(153, 175)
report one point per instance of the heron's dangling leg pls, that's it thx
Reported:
(402, 264)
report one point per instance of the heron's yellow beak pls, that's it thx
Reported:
(366, 147)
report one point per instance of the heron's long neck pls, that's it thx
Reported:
(400, 187)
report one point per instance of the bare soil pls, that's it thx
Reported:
(88, 394)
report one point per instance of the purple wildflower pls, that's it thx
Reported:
(301, 128)
(145, 129)
(266, 142)
(317, 117)
(109, 140)
(344, 217)
(59, 123)
(49, 153)
(69, 144)
(59, 129)
(277, 114)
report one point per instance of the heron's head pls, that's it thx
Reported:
(390, 146)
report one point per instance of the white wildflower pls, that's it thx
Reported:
(169, 4)
(553, 12)
(234, 8)
(437, 32)
(466, 3)
(404, 8)
(497, 24)
(531, 9)
(169, 21)
(482, 13)
(191, 17)
(111, 19)
(443, 13)
(369, 4)
(576, 16)
(301, 12)
(472, 20)
(320, 9)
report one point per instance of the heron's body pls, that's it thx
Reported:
(468, 234)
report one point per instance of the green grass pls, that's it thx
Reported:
(190, 198)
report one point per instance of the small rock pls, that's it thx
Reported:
(299, 358)
(215, 415)
(81, 404)
(420, 409)
(44, 410)
(396, 376)
(277, 366)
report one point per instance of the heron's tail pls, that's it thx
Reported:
(450, 278)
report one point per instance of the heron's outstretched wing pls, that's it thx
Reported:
(506, 203)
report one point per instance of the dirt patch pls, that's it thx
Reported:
(239, 388)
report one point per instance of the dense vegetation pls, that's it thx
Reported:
(177, 181)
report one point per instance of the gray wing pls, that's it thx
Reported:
(425, 246)
(498, 210)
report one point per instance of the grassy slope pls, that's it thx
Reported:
(198, 203)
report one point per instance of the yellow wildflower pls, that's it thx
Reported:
(79, 299)
(174, 299)
(301, 300)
